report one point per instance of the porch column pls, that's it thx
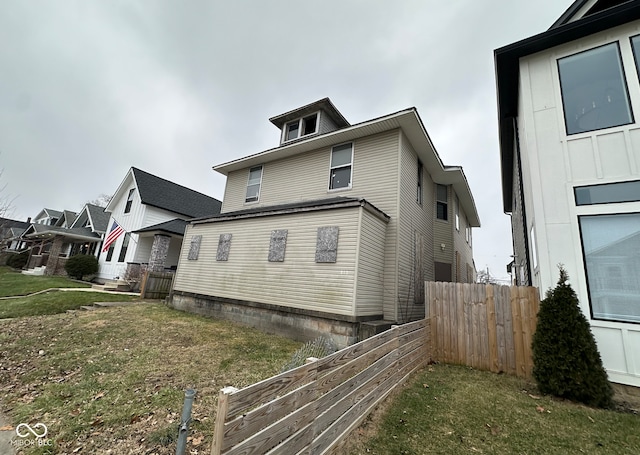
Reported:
(159, 252)
(54, 255)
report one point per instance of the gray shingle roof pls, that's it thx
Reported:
(99, 217)
(163, 194)
(176, 226)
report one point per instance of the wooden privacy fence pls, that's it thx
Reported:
(156, 285)
(312, 409)
(483, 326)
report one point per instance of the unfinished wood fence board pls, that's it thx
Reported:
(491, 327)
(259, 418)
(303, 410)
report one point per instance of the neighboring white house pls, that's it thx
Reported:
(333, 231)
(151, 212)
(569, 124)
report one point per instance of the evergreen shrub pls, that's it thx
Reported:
(566, 361)
(81, 265)
(18, 261)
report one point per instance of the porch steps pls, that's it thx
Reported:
(112, 285)
(37, 271)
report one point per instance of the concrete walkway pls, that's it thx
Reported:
(6, 448)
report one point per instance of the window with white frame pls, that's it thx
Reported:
(341, 164)
(611, 246)
(534, 248)
(253, 184)
(301, 127)
(594, 90)
(442, 208)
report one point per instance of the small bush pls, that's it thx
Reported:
(18, 261)
(81, 265)
(566, 362)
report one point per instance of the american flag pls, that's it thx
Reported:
(114, 233)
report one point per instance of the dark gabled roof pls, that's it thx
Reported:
(67, 217)
(47, 231)
(8, 223)
(324, 104)
(163, 194)
(99, 218)
(576, 6)
(507, 61)
(296, 207)
(176, 226)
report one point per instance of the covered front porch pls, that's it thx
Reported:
(50, 247)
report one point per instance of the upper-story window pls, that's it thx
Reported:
(301, 127)
(442, 207)
(253, 184)
(127, 207)
(341, 163)
(457, 214)
(594, 90)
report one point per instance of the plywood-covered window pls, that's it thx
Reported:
(278, 245)
(327, 244)
(194, 247)
(224, 245)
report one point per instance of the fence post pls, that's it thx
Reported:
(221, 417)
(189, 394)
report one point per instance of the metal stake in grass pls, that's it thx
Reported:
(183, 431)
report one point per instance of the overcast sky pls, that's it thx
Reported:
(91, 88)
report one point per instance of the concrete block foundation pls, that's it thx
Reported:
(294, 323)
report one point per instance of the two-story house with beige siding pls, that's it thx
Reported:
(333, 231)
(569, 104)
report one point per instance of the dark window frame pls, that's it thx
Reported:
(442, 204)
(127, 207)
(625, 87)
(124, 247)
(607, 201)
(586, 272)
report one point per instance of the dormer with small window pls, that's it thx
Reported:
(308, 121)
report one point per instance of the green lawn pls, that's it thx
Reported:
(456, 410)
(15, 283)
(114, 378)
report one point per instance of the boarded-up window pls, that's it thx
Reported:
(278, 245)
(194, 248)
(443, 271)
(327, 244)
(224, 244)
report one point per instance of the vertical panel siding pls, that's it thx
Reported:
(298, 282)
(370, 271)
(130, 222)
(554, 163)
(414, 220)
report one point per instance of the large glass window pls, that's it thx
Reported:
(608, 193)
(341, 159)
(635, 45)
(611, 247)
(253, 185)
(594, 90)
